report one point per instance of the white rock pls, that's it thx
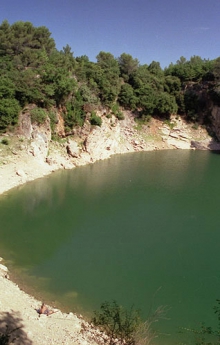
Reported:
(20, 172)
(3, 268)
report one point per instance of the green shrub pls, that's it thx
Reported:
(75, 114)
(53, 120)
(5, 141)
(58, 139)
(147, 118)
(120, 115)
(195, 125)
(38, 115)
(117, 322)
(9, 110)
(115, 108)
(170, 124)
(143, 120)
(95, 120)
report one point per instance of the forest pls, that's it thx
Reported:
(33, 71)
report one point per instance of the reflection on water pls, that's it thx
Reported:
(140, 228)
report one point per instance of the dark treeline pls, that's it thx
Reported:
(33, 71)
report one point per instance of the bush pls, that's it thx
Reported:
(5, 141)
(170, 124)
(75, 114)
(195, 125)
(115, 110)
(9, 110)
(120, 115)
(95, 120)
(53, 120)
(117, 322)
(38, 115)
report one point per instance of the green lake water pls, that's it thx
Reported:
(142, 229)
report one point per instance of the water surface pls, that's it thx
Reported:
(140, 229)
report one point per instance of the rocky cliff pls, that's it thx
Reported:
(32, 154)
(90, 143)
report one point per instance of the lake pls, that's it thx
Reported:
(142, 229)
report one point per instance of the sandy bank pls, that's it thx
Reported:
(18, 309)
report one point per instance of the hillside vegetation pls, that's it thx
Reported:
(33, 71)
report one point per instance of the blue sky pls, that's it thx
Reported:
(160, 30)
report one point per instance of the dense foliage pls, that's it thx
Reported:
(117, 322)
(33, 71)
(125, 326)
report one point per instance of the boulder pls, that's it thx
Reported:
(72, 149)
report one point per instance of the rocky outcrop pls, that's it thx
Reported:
(90, 143)
(36, 155)
(73, 149)
(41, 136)
(25, 126)
(60, 128)
(38, 134)
(116, 136)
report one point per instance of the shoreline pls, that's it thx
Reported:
(27, 160)
(18, 310)
(21, 167)
(59, 328)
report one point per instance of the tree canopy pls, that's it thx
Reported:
(32, 70)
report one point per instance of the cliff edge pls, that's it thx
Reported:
(29, 153)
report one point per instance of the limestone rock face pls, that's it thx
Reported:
(38, 155)
(25, 126)
(73, 149)
(60, 130)
(90, 143)
(39, 134)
